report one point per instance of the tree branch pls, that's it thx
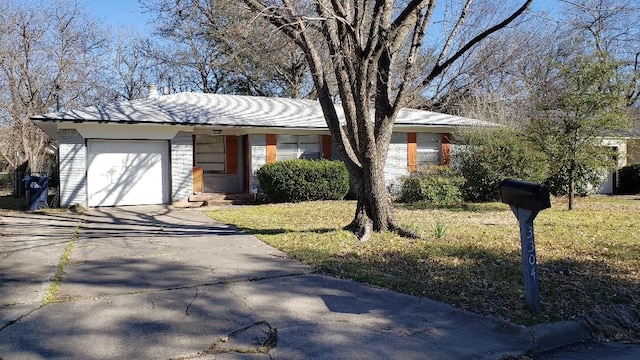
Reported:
(454, 31)
(439, 68)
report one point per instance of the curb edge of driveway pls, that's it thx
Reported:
(550, 336)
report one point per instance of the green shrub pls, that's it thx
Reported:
(6, 180)
(629, 179)
(491, 155)
(588, 180)
(304, 180)
(439, 185)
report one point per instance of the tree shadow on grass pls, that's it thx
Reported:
(465, 207)
(258, 232)
(485, 281)
(139, 284)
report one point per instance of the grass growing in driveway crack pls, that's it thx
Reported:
(50, 296)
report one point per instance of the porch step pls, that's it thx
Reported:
(213, 199)
(188, 204)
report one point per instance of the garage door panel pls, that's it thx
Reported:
(127, 173)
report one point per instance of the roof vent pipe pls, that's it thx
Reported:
(153, 91)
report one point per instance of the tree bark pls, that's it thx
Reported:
(372, 62)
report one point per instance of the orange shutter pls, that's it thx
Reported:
(445, 148)
(231, 151)
(326, 146)
(272, 140)
(198, 180)
(412, 152)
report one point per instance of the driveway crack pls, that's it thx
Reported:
(56, 281)
(191, 302)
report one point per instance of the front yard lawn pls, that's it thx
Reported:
(469, 257)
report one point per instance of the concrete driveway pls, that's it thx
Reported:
(159, 283)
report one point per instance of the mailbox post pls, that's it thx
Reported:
(526, 199)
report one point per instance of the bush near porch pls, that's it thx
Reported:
(436, 185)
(302, 180)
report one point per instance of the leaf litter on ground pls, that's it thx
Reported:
(589, 258)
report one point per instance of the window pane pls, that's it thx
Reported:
(428, 157)
(310, 155)
(287, 151)
(309, 139)
(210, 153)
(298, 146)
(287, 139)
(428, 149)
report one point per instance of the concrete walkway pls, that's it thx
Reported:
(157, 283)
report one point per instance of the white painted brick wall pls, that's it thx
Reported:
(181, 166)
(73, 170)
(396, 164)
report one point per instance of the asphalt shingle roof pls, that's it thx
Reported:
(233, 110)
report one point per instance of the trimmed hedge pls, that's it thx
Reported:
(629, 179)
(439, 185)
(304, 180)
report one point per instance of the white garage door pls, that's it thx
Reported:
(127, 172)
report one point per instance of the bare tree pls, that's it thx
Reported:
(131, 68)
(610, 27)
(212, 45)
(187, 59)
(373, 47)
(49, 54)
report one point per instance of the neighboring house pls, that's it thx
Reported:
(163, 149)
(626, 146)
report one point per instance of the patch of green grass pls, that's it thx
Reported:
(50, 296)
(588, 258)
(439, 230)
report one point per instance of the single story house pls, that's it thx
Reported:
(626, 146)
(163, 149)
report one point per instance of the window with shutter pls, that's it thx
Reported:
(298, 147)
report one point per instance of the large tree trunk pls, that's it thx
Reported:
(370, 54)
(374, 209)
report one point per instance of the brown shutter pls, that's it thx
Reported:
(412, 152)
(445, 149)
(271, 140)
(231, 151)
(326, 146)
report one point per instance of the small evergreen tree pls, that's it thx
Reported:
(583, 103)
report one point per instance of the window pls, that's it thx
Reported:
(428, 149)
(298, 147)
(210, 153)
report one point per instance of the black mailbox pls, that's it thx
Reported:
(525, 195)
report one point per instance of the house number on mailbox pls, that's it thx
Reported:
(532, 252)
(525, 200)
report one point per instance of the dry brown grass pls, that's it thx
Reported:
(589, 258)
